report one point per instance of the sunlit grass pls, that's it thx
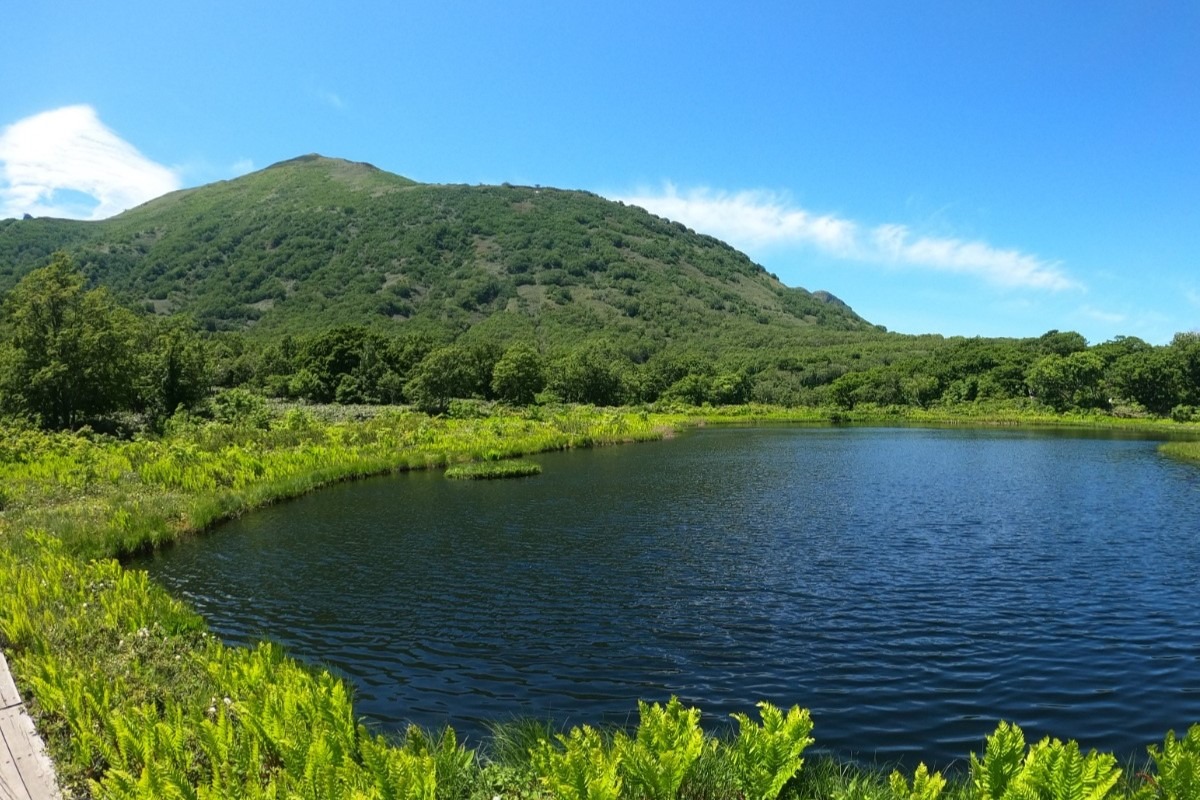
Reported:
(1189, 451)
(487, 470)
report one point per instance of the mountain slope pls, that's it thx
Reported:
(314, 241)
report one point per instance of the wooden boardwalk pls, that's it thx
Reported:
(25, 770)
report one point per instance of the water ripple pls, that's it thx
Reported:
(909, 586)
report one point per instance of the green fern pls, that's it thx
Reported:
(1003, 754)
(767, 756)
(1058, 771)
(925, 785)
(667, 745)
(453, 765)
(1049, 770)
(1178, 766)
(391, 773)
(583, 769)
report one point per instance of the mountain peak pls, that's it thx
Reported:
(316, 159)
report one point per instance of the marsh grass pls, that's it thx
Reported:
(982, 414)
(1186, 451)
(487, 470)
(509, 743)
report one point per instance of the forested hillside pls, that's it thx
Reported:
(314, 242)
(331, 281)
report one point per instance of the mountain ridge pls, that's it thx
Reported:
(314, 241)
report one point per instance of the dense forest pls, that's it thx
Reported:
(69, 354)
(333, 282)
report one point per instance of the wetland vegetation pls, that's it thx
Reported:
(487, 470)
(137, 699)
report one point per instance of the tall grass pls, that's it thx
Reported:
(488, 470)
(1187, 451)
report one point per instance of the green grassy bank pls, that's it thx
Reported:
(1188, 451)
(136, 699)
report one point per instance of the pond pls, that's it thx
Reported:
(910, 586)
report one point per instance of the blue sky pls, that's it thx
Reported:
(995, 169)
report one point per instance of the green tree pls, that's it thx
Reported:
(1120, 346)
(481, 360)
(1071, 381)
(1062, 343)
(846, 390)
(1187, 345)
(665, 370)
(518, 376)
(1153, 378)
(349, 364)
(232, 360)
(731, 388)
(173, 369)
(692, 389)
(70, 352)
(279, 358)
(588, 374)
(331, 355)
(443, 375)
(920, 389)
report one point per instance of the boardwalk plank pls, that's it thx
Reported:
(12, 783)
(8, 690)
(25, 771)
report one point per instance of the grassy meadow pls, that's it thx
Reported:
(136, 699)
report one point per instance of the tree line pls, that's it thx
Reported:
(70, 355)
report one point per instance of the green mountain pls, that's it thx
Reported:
(313, 242)
(337, 280)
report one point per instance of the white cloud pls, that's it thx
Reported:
(753, 219)
(1010, 268)
(67, 163)
(749, 218)
(241, 167)
(1100, 315)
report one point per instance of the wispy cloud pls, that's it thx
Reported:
(754, 219)
(1002, 267)
(67, 163)
(1100, 315)
(241, 167)
(331, 99)
(748, 218)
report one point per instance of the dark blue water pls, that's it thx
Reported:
(910, 586)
